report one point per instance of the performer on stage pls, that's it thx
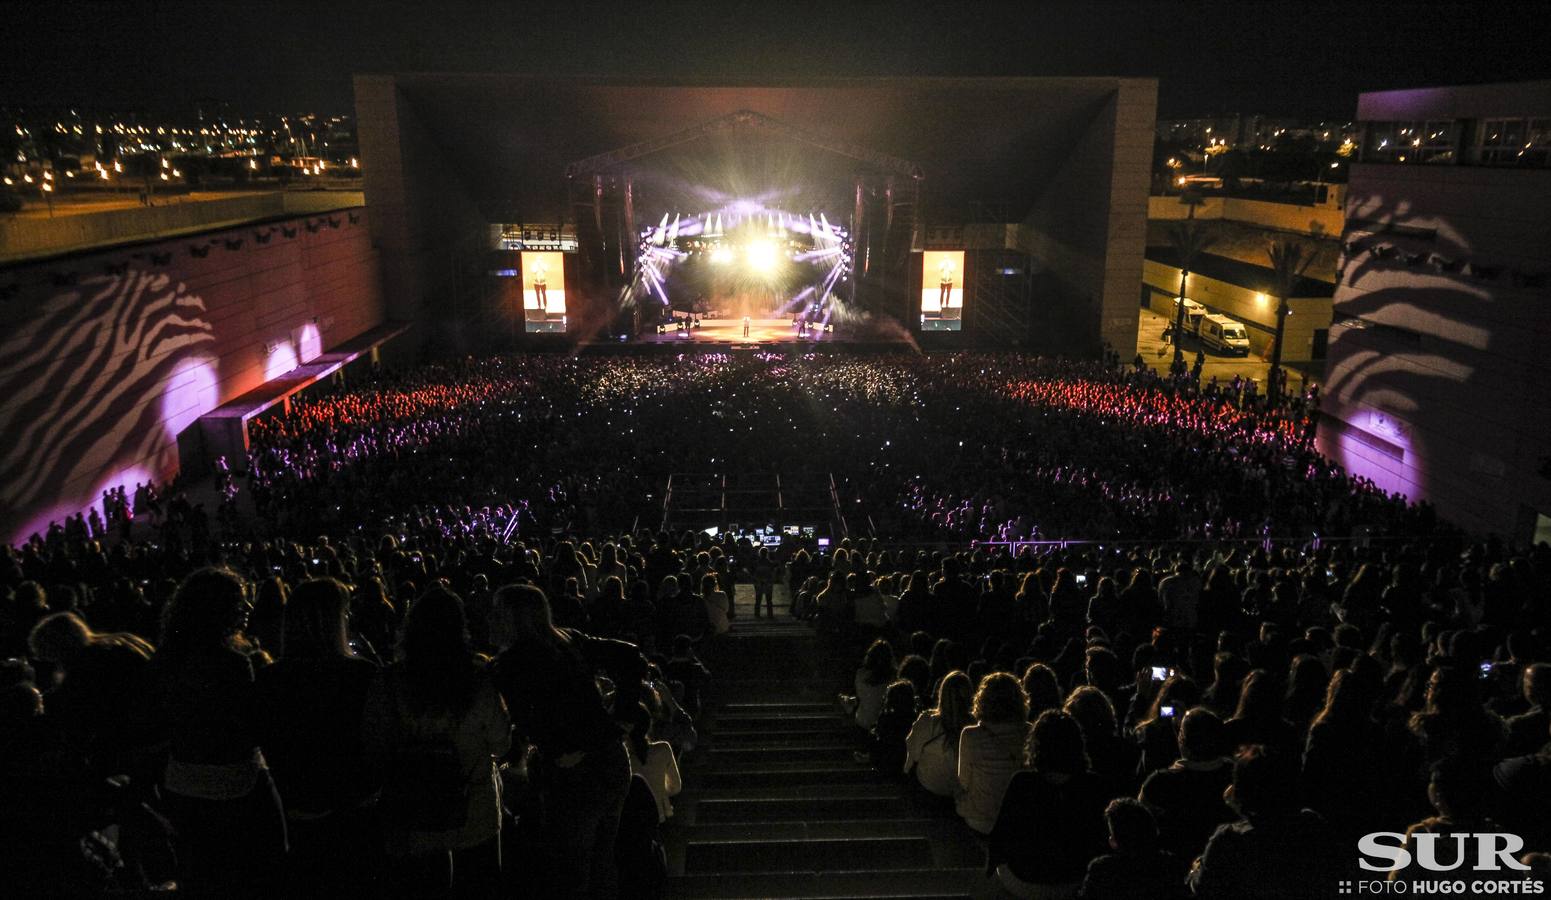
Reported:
(945, 278)
(540, 286)
(745, 326)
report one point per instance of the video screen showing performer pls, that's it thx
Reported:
(942, 290)
(543, 290)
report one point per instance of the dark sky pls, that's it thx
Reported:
(1281, 57)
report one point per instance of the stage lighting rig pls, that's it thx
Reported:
(762, 255)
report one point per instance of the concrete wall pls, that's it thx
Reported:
(108, 358)
(423, 217)
(1437, 381)
(1089, 226)
(33, 236)
(1275, 216)
(1254, 308)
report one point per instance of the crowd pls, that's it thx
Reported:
(1148, 722)
(435, 647)
(971, 446)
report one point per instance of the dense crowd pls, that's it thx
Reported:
(433, 647)
(978, 446)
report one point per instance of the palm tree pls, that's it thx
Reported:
(1289, 260)
(1190, 239)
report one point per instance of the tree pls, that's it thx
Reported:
(1189, 238)
(1289, 260)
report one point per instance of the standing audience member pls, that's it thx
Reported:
(548, 676)
(436, 725)
(219, 793)
(312, 702)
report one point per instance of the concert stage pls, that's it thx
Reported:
(761, 331)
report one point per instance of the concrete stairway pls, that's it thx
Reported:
(775, 805)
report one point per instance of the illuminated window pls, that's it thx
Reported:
(1411, 142)
(1514, 142)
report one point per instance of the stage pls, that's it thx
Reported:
(760, 331)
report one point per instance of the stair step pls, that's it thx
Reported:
(870, 790)
(899, 826)
(789, 778)
(914, 884)
(807, 737)
(825, 855)
(789, 809)
(783, 708)
(722, 757)
(750, 722)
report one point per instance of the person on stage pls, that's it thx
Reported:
(945, 278)
(540, 286)
(746, 323)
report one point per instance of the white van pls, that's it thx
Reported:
(1224, 334)
(1193, 313)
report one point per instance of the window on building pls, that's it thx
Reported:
(1432, 141)
(1514, 142)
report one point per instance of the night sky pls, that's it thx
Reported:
(1281, 57)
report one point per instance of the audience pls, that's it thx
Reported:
(427, 612)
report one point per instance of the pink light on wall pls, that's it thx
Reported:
(192, 390)
(282, 359)
(309, 343)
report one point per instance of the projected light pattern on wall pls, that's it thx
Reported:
(89, 381)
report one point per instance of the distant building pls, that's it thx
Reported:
(1439, 375)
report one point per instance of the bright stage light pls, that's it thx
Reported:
(762, 256)
(720, 255)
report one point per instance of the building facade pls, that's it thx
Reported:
(1438, 370)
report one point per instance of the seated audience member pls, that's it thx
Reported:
(1460, 790)
(717, 606)
(1452, 722)
(311, 703)
(1345, 776)
(871, 682)
(1051, 821)
(992, 749)
(932, 746)
(1258, 718)
(1527, 730)
(1112, 757)
(1158, 733)
(1135, 868)
(435, 724)
(1524, 785)
(886, 743)
(1187, 797)
(685, 669)
(654, 762)
(1276, 850)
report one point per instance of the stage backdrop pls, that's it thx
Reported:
(107, 357)
(543, 290)
(942, 290)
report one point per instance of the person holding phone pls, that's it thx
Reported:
(1187, 797)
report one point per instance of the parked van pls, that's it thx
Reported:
(1193, 313)
(1223, 334)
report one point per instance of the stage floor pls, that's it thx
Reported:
(725, 331)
